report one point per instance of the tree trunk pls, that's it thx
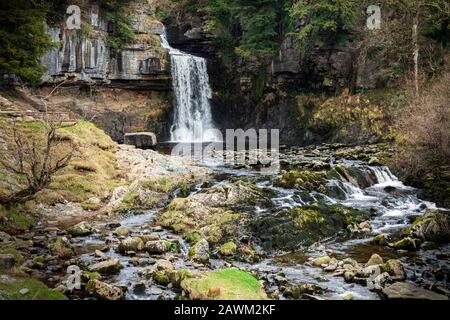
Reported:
(415, 37)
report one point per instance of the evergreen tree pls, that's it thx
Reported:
(23, 39)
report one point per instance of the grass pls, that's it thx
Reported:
(226, 284)
(92, 172)
(10, 290)
(16, 221)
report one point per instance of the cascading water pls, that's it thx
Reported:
(192, 117)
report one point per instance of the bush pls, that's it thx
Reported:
(423, 140)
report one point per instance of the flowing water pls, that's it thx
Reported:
(192, 118)
(392, 204)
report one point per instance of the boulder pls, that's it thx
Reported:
(374, 260)
(104, 291)
(434, 226)
(200, 252)
(134, 244)
(122, 231)
(382, 239)
(395, 269)
(150, 237)
(408, 244)
(81, 229)
(228, 249)
(110, 266)
(408, 291)
(142, 140)
(156, 247)
(4, 237)
(61, 248)
(7, 261)
(318, 262)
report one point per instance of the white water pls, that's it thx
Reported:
(192, 116)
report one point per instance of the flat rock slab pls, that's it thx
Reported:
(408, 291)
(142, 140)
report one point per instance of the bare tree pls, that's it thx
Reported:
(34, 162)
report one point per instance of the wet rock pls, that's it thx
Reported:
(104, 291)
(405, 290)
(374, 260)
(305, 288)
(62, 248)
(4, 237)
(347, 297)
(318, 262)
(81, 229)
(428, 245)
(122, 231)
(408, 244)
(7, 261)
(150, 237)
(395, 269)
(156, 247)
(434, 226)
(200, 252)
(382, 239)
(139, 288)
(164, 265)
(111, 266)
(134, 244)
(363, 227)
(350, 262)
(379, 282)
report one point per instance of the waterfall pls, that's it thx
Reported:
(192, 116)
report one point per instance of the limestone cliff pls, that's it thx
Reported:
(84, 54)
(122, 90)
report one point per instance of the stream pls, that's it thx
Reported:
(391, 204)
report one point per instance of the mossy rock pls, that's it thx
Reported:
(11, 287)
(228, 249)
(161, 278)
(302, 180)
(226, 284)
(15, 220)
(298, 227)
(62, 248)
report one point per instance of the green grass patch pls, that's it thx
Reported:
(10, 290)
(226, 284)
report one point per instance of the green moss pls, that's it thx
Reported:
(302, 180)
(193, 237)
(171, 246)
(228, 249)
(61, 248)
(36, 290)
(10, 248)
(227, 284)
(298, 227)
(213, 224)
(16, 220)
(161, 278)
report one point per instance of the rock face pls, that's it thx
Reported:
(85, 55)
(404, 290)
(142, 140)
